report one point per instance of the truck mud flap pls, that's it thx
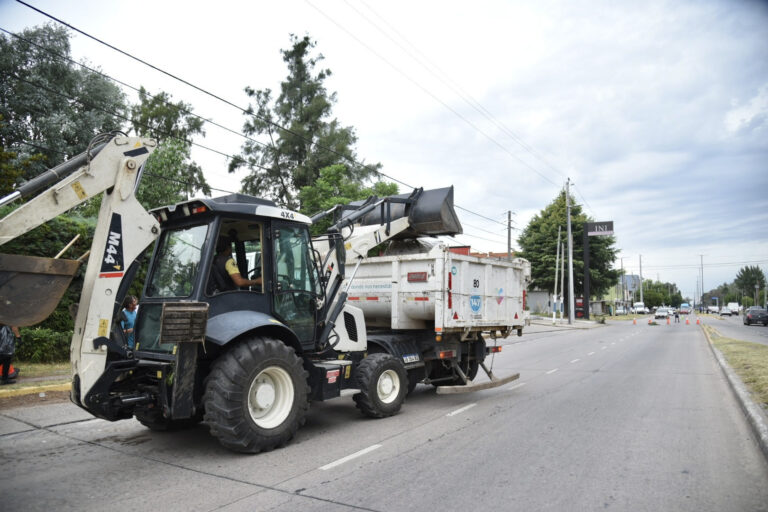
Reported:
(476, 386)
(31, 287)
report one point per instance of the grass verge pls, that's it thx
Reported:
(749, 361)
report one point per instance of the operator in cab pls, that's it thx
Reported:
(225, 275)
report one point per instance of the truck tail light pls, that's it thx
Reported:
(494, 350)
(525, 298)
(446, 354)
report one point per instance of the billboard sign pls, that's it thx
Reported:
(600, 228)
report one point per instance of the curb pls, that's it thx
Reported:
(755, 416)
(35, 389)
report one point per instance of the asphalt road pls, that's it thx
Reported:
(733, 327)
(622, 417)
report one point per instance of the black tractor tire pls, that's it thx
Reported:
(153, 419)
(256, 395)
(383, 383)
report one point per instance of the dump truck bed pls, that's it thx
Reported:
(442, 290)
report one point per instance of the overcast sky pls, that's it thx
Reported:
(657, 111)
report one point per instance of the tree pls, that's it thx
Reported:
(332, 188)
(302, 139)
(49, 105)
(746, 279)
(170, 175)
(538, 242)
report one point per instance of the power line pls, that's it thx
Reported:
(429, 93)
(247, 112)
(443, 77)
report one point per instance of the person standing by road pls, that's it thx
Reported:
(128, 318)
(9, 336)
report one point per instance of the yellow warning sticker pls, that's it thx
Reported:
(174, 349)
(79, 190)
(348, 372)
(103, 327)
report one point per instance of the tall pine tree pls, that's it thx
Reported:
(298, 136)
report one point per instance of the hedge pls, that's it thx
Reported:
(40, 345)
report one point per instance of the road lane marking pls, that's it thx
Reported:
(350, 457)
(519, 385)
(459, 411)
(575, 361)
(605, 348)
(552, 371)
(591, 354)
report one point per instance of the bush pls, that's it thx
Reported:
(41, 345)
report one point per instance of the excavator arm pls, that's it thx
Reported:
(123, 231)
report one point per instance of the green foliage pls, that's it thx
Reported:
(538, 242)
(47, 101)
(40, 345)
(302, 139)
(656, 293)
(336, 185)
(746, 279)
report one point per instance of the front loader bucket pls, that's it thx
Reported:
(31, 287)
(431, 214)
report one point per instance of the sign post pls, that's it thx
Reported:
(592, 229)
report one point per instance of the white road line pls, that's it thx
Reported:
(519, 385)
(459, 411)
(605, 348)
(552, 371)
(575, 361)
(591, 354)
(350, 457)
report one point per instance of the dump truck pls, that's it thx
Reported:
(248, 361)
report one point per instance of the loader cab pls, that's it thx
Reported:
(265, 241)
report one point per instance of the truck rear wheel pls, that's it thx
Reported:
(256, 396)
(383, 383)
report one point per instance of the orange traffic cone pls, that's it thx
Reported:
(667, 320)
(649, 321)
(698, 322)
(687, 322)
(634, 321)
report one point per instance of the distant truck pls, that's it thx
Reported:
(685, 308)
(640, 309)
(733, 307)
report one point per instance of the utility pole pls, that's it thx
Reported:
(641, 279)
(557, 266)
(509, 235)
(570, 251)
(623, 294)
(702, 275)
(562, 278)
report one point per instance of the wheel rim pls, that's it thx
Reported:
(270, 397)
(388, 386)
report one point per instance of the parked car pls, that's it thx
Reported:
(661, 313)
(621, 310)
(713, 310)
(725, 311)
(755, 315)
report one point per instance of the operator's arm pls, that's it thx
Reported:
(238, 279)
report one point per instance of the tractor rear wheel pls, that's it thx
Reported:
(256, 396)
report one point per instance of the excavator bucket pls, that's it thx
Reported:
(31, 287)
(430, 212)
